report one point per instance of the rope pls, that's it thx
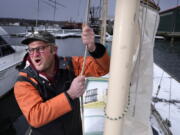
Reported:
(81, 98)
(85, 23)
(84, 62)
(159, 86)
(170, 99)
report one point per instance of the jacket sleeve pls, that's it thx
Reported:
(37, 112)
(96, 65)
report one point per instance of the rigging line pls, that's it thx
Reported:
(54, 14)
(170, 98)
(138, 61)
(159, 86)
(47, 3)
(154, 32)
(78, 11)
(57, 3)
(85, 22)
(84, 61)
(37, 18)
(52, 4)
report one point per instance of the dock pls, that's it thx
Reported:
(169, 35)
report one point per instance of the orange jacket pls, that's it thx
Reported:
(36, 111)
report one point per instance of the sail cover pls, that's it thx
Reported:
(137, 120)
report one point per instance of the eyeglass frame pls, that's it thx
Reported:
(39, 49)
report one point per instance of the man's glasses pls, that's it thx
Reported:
(40, 49)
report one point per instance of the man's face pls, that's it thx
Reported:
(42, 55)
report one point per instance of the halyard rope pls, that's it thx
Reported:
(84, 62)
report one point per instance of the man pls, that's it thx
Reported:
(48, 88)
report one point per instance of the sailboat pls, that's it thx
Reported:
(120, 103)
(10, 57)
(130, 79)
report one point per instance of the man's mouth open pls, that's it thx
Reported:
(38, 61)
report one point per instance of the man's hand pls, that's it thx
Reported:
(77, 87)
(88, 38)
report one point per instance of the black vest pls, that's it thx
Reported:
(68, 124)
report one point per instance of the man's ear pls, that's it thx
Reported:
(54, 49)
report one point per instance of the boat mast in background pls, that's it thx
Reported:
(37, 18)
(54, 15)
(53, 3)
(104, 21)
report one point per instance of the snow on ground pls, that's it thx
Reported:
(169, 89)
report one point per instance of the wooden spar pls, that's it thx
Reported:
(104, 21)
(125, 26)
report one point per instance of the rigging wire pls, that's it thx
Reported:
(52, 3)
(37, 18)
(57, 3)
(169, 114)
(159, 86)
(84, 61)
(78, 10)
(86, 21)
(48, 3)
(54, 14)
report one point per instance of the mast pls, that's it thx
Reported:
(121, 62)
(54, 15)
(104, 21)
(37, 18)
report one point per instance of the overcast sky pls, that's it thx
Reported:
(73, 9)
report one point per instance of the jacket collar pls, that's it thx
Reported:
(43, 74)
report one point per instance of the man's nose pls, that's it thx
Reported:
(36, 52)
